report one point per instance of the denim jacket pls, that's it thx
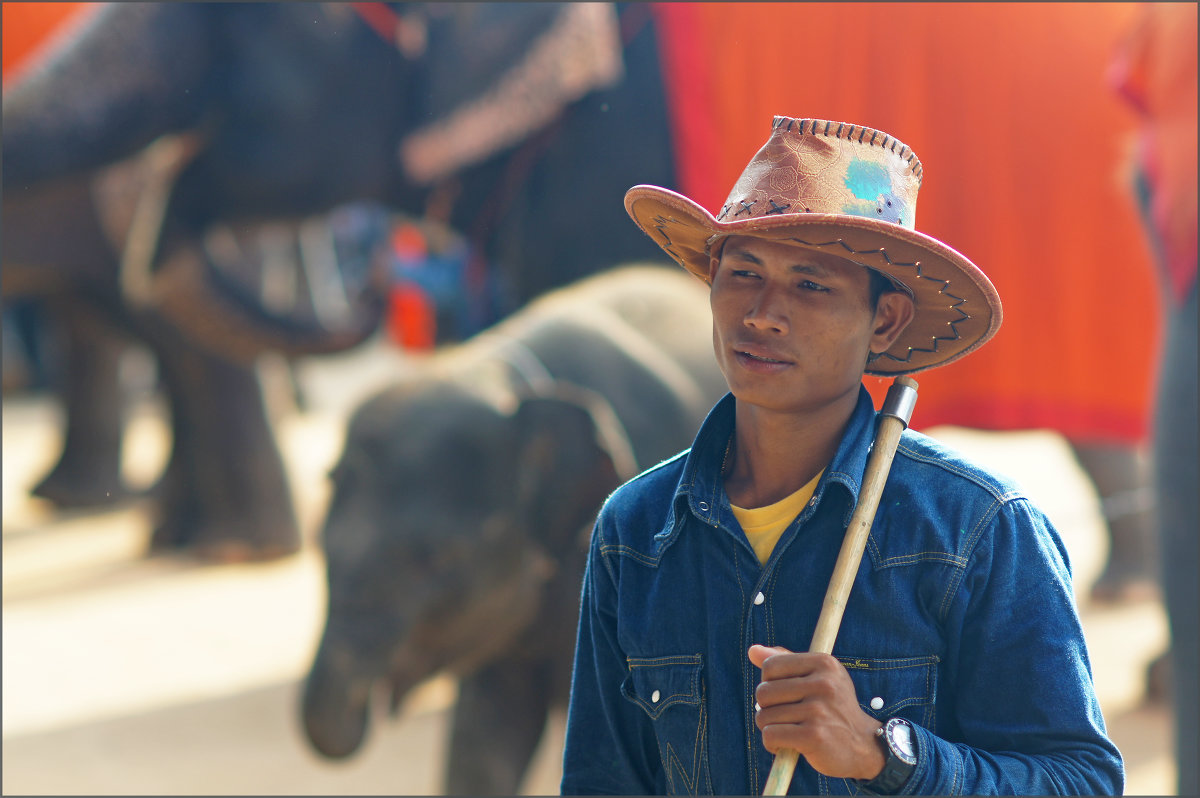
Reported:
(961, 619)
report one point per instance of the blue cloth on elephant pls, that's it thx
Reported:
(961, 620)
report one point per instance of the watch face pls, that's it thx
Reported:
(900, 740)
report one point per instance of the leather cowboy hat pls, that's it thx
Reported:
(851, 191)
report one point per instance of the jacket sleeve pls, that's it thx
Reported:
(610, 747)
(1021, 690)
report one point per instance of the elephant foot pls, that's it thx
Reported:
(67, 489)
(219, 544)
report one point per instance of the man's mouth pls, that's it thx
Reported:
(760, 359)
(758, 356)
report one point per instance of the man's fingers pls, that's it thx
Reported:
(783, 714)
(779, 663)
(791, 690)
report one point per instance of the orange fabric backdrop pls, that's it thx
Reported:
(1023, 144)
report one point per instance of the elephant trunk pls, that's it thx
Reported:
(336, 703)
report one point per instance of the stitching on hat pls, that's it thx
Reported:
(776, 208)
(660, 224)
(937, 339)
(746, 207)
(846, 130)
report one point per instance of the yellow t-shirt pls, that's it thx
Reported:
(765, 525)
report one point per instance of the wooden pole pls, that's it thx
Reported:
(894, 417)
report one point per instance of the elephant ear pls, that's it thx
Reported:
(498, 72)
(572, 453)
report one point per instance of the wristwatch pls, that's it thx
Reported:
(900, 745)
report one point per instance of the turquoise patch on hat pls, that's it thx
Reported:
(868, 179)
(871, 184)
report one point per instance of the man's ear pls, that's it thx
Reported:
(893, 313)
(714, 257)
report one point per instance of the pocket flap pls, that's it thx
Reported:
(659, 682)
(888, 687)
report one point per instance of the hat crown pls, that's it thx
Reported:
(819, 166)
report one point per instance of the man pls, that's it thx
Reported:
(960, 665)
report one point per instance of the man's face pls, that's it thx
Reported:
(792, 328)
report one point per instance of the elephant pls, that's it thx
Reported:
(241, 116)
(224, 494)
(288, 110)
(456, 536)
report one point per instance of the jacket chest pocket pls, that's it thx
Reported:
(887, 688)
(670, 690)
(890, 687)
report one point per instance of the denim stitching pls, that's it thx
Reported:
(627, 551)
(689, 699)
(608, 566)
(894, 664)
(695, 697)
(919, 557)
(973, 538)
(674, 763)
(970, 475)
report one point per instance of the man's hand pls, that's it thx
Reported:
(808, 704)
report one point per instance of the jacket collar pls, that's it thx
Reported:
(701, 491)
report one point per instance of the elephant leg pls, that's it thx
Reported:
(88, 471)
(1176, 476)
(1120, 473)
(25, 366)
(498, 721)
(225, 492)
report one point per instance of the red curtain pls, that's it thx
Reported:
(1024, 145)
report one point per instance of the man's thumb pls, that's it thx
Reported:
(759, 654)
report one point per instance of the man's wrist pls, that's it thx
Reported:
(876, 756)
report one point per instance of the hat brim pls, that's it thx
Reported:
(957, 307)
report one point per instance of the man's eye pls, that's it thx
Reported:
(743, 273)
(809, 285)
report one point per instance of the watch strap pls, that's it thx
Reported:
(895, 770)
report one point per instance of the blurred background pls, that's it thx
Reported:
(225, 227)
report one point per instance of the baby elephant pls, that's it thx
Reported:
(457, 532)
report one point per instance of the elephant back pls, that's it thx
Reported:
(638, 338)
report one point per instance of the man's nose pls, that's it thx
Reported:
(768, 312)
